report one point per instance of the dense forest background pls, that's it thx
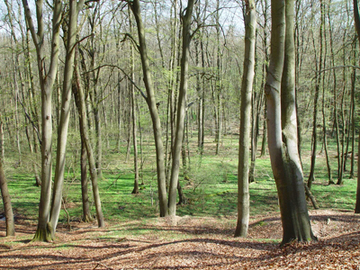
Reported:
(108, 66)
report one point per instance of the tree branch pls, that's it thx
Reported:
(126, 75)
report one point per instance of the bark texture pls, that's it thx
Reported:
(245, 121)
(181, 109)
(282, 126)
(151, 101)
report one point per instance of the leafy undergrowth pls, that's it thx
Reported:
(185, 243)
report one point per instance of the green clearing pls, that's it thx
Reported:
(211, 191)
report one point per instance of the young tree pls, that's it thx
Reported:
(282, 128)
(85, 139)
(245, 117)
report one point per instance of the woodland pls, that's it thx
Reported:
(170, 134)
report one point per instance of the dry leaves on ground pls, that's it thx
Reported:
(186, 243)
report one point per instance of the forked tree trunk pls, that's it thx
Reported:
(43, 232)
(284, 155)
(245, 120)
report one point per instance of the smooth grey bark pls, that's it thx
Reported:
(245, 120)
(151, 102)
(181, 108)
(282, 126)
(43, 232)
(64, 112)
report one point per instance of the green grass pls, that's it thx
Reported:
(211, 191)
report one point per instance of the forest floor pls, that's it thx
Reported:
(185, 243)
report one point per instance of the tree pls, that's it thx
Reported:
(314, 139)
(70, 34)
(245, 120)
(85, 139)
(47, 78)
(357, 27)
(282, 128)
(151, 102)
(181, 108)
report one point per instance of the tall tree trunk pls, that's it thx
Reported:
(245, 120)
(43, 232)
(284, 155)
(70, 38)
(335, 107)
(151, 101)
(353, 84)
(181, 108)
(134, 124)
(265, 8)
(314, 138)
(218, 83)
(323, 109)
(357, 27)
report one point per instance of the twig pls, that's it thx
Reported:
(103, 265)
(67, 213)
(311, 196)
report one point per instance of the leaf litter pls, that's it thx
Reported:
(186, 243)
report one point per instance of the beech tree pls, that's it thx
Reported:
(245, 117)
(47, 74)
(282, 126)
(70, 35)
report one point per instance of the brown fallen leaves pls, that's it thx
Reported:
(186, 243)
